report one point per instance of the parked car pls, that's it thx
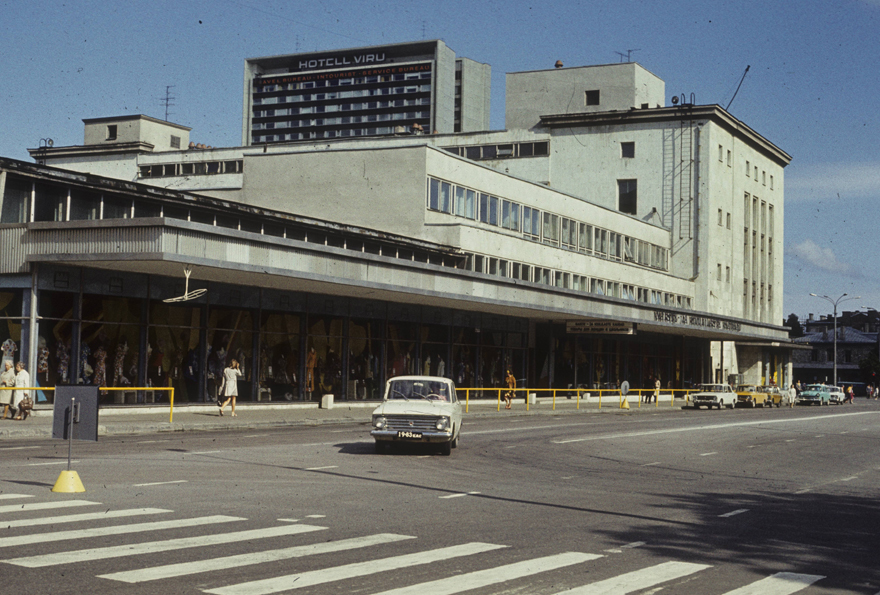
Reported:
(749, 395)
(814, 394)
(714, 395)
(775, 396)
(418, 409)
(836, 395)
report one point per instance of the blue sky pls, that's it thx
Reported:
(812, 89)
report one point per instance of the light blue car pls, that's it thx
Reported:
(815, 394)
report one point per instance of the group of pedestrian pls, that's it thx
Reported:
(19, 402)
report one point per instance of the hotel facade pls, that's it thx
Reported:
(592, 241)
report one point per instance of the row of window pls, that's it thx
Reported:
(352, 94)
(502, 151)
(315, 134)
(191, 169)
(499, 267)
(342, 120)
(542, 226)
(342, 82)
(322, 109)
(750, 169)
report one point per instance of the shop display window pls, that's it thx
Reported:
(279, 362)
(324, 357)
(364, 360)
(230, 336)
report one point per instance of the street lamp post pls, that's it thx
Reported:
(834, 303)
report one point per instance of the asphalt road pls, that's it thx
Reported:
(697, 502)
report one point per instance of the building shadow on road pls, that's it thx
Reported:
(773, 533)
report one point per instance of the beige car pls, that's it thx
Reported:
(775, 396)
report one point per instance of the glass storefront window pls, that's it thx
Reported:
(400, 349)
(230, 336)
(279, 357)
(364, 359)
(324, 357)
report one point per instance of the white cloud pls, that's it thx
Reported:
(828, 180)
(812, 253)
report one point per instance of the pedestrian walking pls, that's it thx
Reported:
(511, 388)
(656, 388)
(7, 378)
(22, 400)
(229, 386)
(792, 395)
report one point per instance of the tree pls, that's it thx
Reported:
(794, 323)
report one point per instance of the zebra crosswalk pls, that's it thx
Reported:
(21, 549)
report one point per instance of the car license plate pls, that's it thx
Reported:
(408, 434)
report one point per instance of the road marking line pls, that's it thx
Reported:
(255, 436)
(651, 464)
(549, 427)
(159, 483)
(320, 468)
(459, 495)
(709, 454)
(803, 491)
(734, 513)
(638, 579)
(792, 440)
(45, 505)
(204, 452)
(114, 530)
(781, 583)
(348, 571)
(14, 496)
(150, 547)
(288, 520)
(222, 563)
(493, 576)
(634, 544)
(316, 516)
(850, 478)
(88, 516)
(568, 477)
(47, 464)
(150, 441)
(20, 447)
(709, 427)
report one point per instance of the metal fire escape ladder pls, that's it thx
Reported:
(685, 178)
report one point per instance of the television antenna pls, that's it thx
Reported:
(627, 55)
(187, 294)
(738, 86)
(168, 100)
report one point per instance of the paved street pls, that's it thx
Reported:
(762, 501)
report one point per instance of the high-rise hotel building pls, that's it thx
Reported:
(370, 91)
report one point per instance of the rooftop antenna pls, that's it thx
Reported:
(168, 100)
(187, 294)
(738, 86)
(424, 33)
(627, 55)
(296, 45)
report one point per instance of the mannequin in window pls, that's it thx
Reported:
(311, 363)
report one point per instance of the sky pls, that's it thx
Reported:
(812, 88)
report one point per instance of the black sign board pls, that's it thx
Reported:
(84, 401)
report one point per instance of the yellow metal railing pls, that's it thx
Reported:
(107, 388)
(642, 393)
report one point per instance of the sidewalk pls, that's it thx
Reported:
(154, 419)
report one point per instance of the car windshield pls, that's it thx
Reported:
(745, 388)
(711, 388)
(431, 390)
(816, 387)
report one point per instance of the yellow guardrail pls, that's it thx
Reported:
(108, 388)
(643, 394)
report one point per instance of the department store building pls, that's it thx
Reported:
(593, 241)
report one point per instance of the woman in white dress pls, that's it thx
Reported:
(229, 387)
(7, 378)
(22, 378)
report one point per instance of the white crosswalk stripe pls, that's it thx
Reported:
(14, 496)
(347, 571)
(781, 583)
(225, 562)
(115, 530)
(45, 505)
(493, 576)
(78, 518)
(151, 547)
(638, 579)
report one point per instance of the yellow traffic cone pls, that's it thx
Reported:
(624, 404)
(68, 482)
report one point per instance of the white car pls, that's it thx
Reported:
(714, 395)
(836, 395)
(418, 409)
